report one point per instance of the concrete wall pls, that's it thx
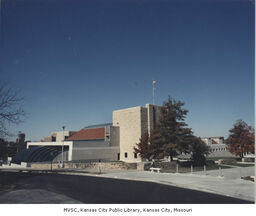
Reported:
(95, 153)
(94, 150)
(114, 136)
(129, 122)
(90, 143)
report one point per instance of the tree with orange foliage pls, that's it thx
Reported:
(241, 139)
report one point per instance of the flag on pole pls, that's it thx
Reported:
(154, 82)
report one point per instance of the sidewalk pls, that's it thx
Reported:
(229, 185)
(231, 173)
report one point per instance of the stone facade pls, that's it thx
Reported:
(133, 123)
(129, 122)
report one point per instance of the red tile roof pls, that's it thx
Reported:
(88, 134)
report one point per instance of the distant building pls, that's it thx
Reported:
(213, 140)
(58, 136)
(21, 138)
(217, 147)
(10, 149)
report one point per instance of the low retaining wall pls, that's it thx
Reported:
(92, 165)
(102, 165)
(44, 166)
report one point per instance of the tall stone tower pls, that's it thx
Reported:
(133, 124)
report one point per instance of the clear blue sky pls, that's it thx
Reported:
(77, 61)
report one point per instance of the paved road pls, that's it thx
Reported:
(57, 188)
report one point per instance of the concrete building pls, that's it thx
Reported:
(217, 147)
(116, 141)
(133, 123)
(91, 143)
(106, 142)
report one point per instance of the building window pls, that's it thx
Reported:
(135, 155)
(126, 155)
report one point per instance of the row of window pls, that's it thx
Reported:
(134, 155)
(218, 149)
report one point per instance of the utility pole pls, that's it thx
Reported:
(63, 128)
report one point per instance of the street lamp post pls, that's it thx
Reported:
(63, 128)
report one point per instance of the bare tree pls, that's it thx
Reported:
(11, 111)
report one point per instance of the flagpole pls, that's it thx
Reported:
(154, 82)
